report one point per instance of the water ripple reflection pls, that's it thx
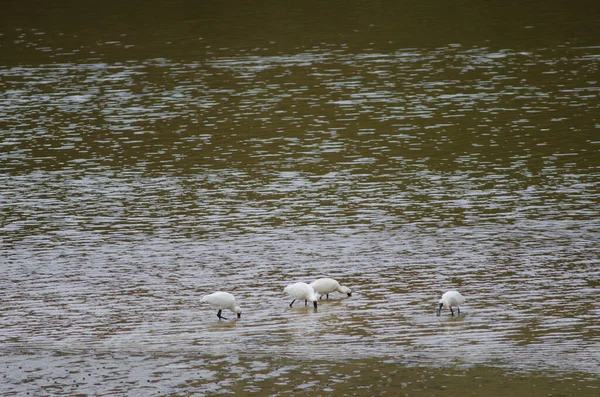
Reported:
(132, 188)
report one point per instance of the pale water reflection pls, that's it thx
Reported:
(134, 185)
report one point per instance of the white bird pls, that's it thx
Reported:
(222, 300)
(323, 286)
(301, 291)
(449, 299)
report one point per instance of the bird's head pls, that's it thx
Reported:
(345, 290)
(439, 310)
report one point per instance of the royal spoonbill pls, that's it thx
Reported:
(222, 300)
(449, 299)
(301, 291)
(323, 286)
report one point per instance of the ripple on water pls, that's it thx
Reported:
(247, 173)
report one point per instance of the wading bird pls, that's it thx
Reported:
(449, 299)
(324, 286)
(301, 291)
(222, 300)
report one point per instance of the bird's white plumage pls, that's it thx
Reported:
(324, 286)
(301, 291)
(222, 300)
(449, 300)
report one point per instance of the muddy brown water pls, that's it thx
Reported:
(156, 152)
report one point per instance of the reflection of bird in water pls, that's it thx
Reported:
(222, 300)
(301, 291)
(324, 286)
(449, 299)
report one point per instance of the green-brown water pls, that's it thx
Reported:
(155, 152)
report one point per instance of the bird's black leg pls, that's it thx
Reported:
(305, 302)
(327, 296)
(219, 315)
(458, 308)
(451, 310)
(292, 302)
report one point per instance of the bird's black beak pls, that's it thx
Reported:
(315, 304)
(439, 311)
(239, 315)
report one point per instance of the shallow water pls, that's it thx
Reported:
(139, 174)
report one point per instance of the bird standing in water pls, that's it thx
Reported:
(450, 299)
(301, 291)
(222, 300)
(324, 286)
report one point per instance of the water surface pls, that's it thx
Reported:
(149, 162)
